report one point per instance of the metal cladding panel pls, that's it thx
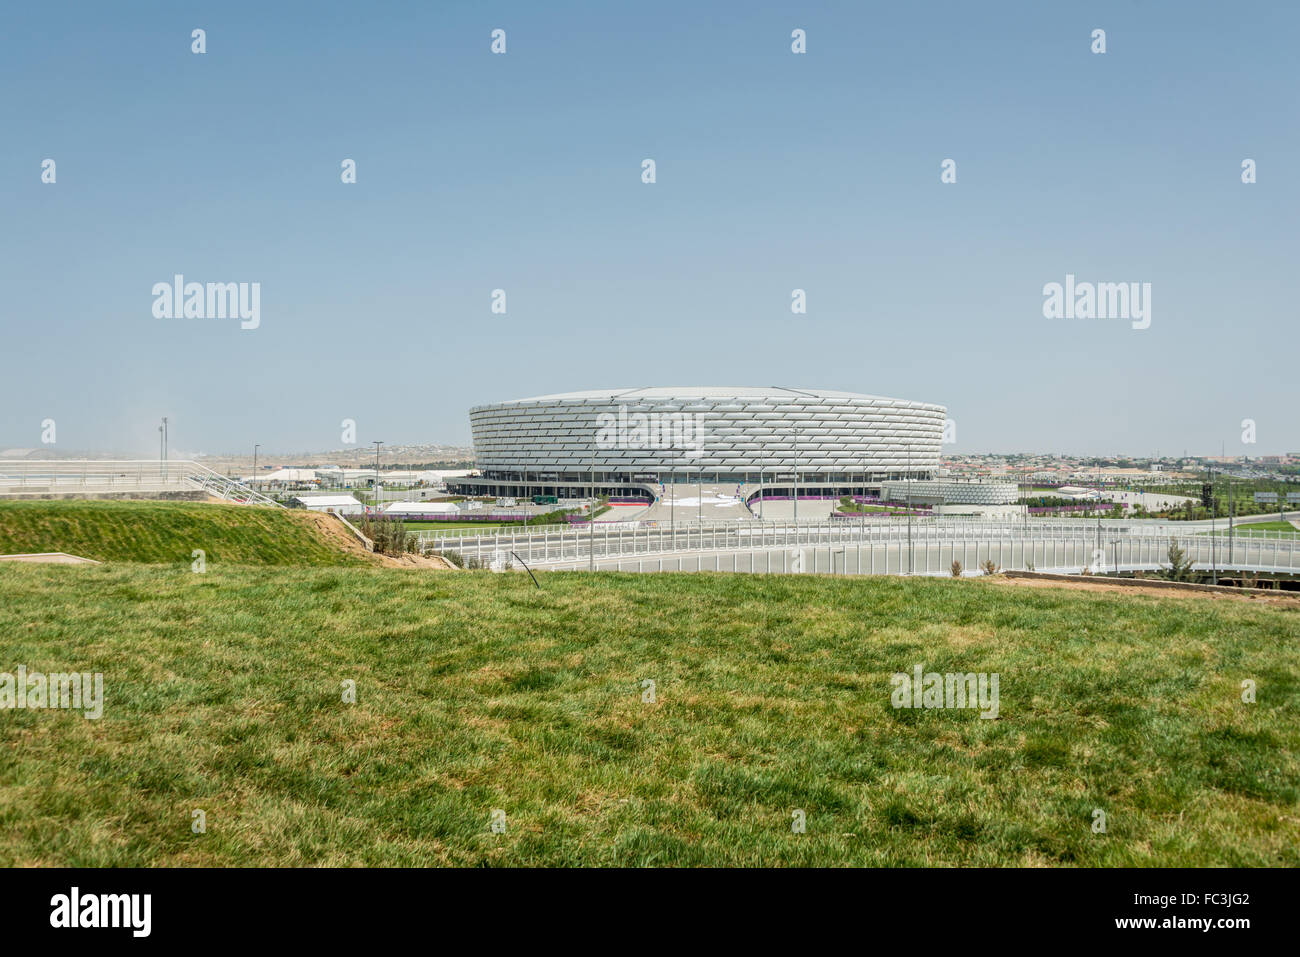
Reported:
(720, 429)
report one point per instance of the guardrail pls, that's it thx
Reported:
(935, 558)
(31, 477)
(554, 544)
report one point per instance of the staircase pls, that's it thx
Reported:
(219, 486)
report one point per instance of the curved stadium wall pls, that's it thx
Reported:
(844, 441)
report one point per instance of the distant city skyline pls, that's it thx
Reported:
(930, 182)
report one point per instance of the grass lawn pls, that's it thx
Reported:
(166, 532)
(1259, 527)
(477, 691)
(450, 528)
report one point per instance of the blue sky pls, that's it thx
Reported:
(775, 171)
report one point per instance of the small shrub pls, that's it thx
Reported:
(1180, 566)
(989, 568)
(956, 569)
(456, 558)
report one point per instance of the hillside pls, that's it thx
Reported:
(477, 692)
(169, 532)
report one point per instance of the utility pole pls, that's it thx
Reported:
(377, 445)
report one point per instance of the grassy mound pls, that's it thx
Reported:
(475, 692)
(166, 532)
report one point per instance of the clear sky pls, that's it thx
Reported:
(522, 172)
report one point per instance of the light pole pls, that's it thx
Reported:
(1098, 504)
(796, 485)
(699, 504)
(255, 448)
(591, 519)
(909, 510)
(760, 492)
(377, 444)
(1214, 558)
(1232, 511)
(793, 432)
(672, 485)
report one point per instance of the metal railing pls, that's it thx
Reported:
(935, 558)
(30, 478)
(557, 544)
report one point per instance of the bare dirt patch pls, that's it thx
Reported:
(1259, 595)
(332, 530)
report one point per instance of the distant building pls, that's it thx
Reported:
(339, 504)
(633, 442)
(285, 477)
(398, 509)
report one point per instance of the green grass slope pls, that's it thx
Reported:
(478, 692)
(166, 532)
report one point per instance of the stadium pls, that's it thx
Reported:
(628, 443)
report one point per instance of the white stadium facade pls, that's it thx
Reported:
(629, 442)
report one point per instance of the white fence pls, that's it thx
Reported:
(935, 558)
(871, 549)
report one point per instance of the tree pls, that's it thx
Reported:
(1180, 566)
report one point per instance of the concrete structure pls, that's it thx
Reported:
(636, 441)
(49, 558)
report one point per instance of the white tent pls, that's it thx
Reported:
(284, 476)
(342, 504)
(421, 508)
